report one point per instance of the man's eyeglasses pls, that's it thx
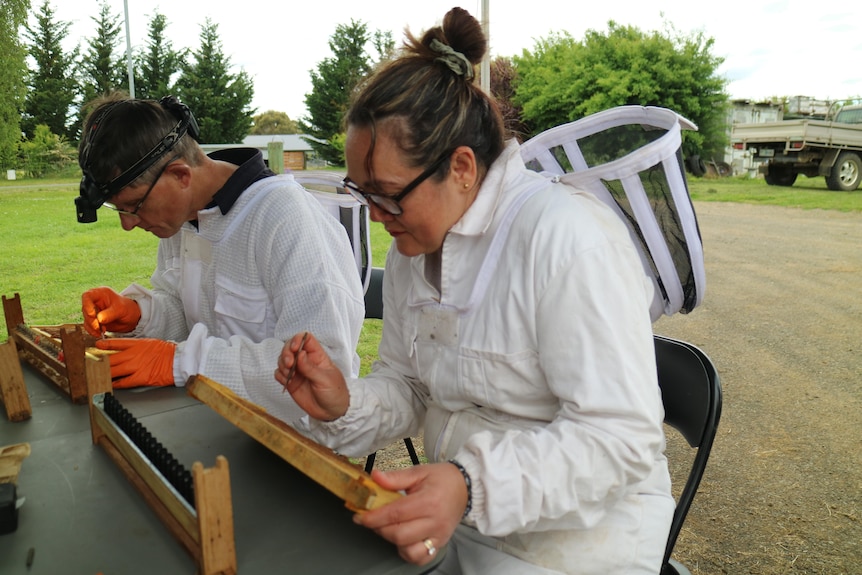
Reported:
(390, 204)
(147, 193)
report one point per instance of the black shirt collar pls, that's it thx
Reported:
(251, 169)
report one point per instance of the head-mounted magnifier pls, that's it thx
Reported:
(93, 194)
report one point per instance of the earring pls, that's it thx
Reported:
(466, 186)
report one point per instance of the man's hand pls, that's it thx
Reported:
(106, 310)
(140, 362)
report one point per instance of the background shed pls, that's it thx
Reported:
(296, 151)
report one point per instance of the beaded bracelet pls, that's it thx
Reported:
(469, 483)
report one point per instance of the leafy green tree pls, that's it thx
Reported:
(272, 122)
(46, 152)
(52, 82)
(13, 69)
(333, 82)
(220, 100)
(563, 80)
(157, 63)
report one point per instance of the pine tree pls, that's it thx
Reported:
(52, 82)
(104, 71)
(157, 63)
(220, 100)
(13, 87)
(331, 86)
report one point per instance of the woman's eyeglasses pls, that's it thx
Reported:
(390, 204)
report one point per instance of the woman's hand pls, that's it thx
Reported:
(316, 384)
(424, 520)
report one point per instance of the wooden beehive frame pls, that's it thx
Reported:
(205, 531)
(332, 471)
(60, 353)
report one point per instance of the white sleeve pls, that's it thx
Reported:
(389, 403)
(307, 271)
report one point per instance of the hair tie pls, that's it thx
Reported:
(456, 61)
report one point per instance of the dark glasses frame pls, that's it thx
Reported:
(134, 212)
(391, 204)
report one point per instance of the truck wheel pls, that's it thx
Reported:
(845, 173)
(784, 178)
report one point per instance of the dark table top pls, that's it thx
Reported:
(82, 516)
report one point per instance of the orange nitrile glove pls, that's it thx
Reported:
(106, 310)
(140, 362)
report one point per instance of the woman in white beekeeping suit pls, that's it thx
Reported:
(516, 337)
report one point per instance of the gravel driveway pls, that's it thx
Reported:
(782, 320)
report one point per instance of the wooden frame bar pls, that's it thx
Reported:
(13, 391)
(332, 471)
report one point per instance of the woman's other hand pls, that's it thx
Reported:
(424, 520)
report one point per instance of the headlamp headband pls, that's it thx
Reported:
(94, 194)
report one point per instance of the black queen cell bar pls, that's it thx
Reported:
(172, 470)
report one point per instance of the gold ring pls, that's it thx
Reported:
(430, 547)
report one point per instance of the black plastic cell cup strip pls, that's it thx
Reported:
(161, 458)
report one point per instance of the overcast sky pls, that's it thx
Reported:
(771, 48)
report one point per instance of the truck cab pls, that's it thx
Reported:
(849, 115)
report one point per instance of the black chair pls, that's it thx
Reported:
(374, 310)
(691, 393)
(374, 295)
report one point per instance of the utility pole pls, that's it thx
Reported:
(485, 69)
(129, 66)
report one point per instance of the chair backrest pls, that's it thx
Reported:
(328, 189)
(374, 295)
(691, 393)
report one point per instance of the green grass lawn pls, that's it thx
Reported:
(50, 259)
(806, 193)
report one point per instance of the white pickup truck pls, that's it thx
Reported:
(787, 148)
